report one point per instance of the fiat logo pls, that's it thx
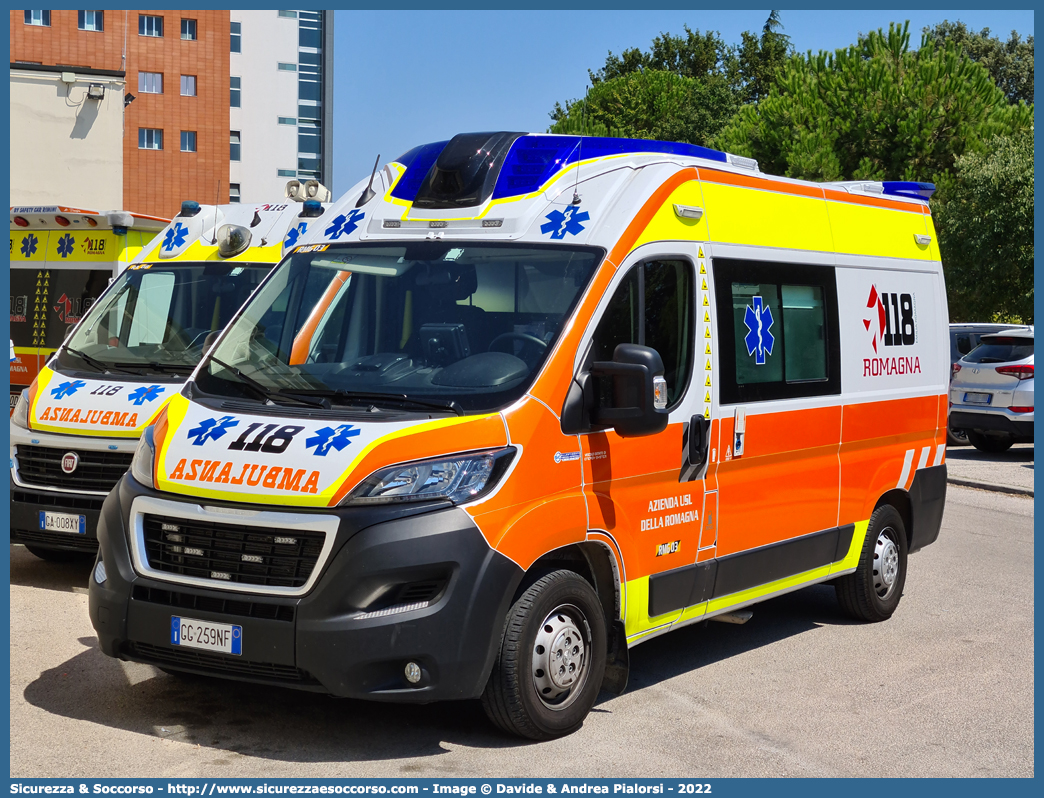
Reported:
(69, 462)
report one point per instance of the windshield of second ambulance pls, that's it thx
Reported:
(158, 319)
(449, 323)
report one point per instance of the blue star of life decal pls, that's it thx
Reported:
(561, 222)
(65, 245)
(145, 394)
(175, 237)
(29, 245)
(759, 340)
(67, 389)
(211, 429)
(294, 234)
(327, 438)
(344, 225)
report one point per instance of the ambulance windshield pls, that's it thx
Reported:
(156, 319)
(457, 326)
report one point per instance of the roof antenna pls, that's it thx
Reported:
(369, 194)
(580, 146)
(217, 199)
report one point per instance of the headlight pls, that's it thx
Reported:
(460, 479)
(141, 465)
(20, 416)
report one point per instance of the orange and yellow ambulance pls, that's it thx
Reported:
(75, 428)
(537, 400)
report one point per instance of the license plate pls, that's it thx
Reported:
(978, 398)
(63, 522)
(225, 638)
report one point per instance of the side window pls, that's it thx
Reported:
(653, 306)
(778, 330)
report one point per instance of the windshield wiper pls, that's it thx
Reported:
(178, 368)
(396, 399)
(268, 393)
(97, 364)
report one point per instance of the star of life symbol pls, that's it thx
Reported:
(65, 245)
(175, 237)
(327, 438)
(211, 429)
(561, 222)
(759, 340)
(874, 301)
(67, 389)
(29, 245)
(145, 394)
(294, 234)
(344, 225)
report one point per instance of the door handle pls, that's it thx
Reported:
(699, 440)
(739, 432)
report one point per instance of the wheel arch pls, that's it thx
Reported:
(900, 500)
(592, 560)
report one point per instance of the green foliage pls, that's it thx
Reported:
(874, 111)
(1009, 63)
(760, 60)
(696, 55)
(649, 104)
(984, 219)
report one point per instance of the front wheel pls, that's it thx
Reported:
(989, 443)
(551, 661)
(873, 591)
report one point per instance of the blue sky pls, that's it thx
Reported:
(403, 78)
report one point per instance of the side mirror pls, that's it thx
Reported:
(627, 393)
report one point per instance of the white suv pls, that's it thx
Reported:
(991, 391)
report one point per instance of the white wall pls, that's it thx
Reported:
(267, 94)
(66, 149)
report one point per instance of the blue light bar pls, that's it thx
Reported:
(900, 188)
(417, 162)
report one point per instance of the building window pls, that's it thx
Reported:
(287, 120)
(283, 67)
(150, 82)
(233, 145)
(236, 29)
(91, 20)
(188, 29)
(234, 86)
(149, 25)
(188, 140)
(150, 138)
(288, 14)
(233, 192)
(41, 18)
(286, 173)
(188, 85)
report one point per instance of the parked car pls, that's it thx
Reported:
(963, 339)
(991, 391)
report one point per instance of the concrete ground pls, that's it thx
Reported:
(1010, 471)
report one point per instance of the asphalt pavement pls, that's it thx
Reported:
(944, 688)
(1007, 472)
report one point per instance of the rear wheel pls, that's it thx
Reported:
(59, 555)
(990, 444)
(873, 591)
(956, 437)
(551, 661)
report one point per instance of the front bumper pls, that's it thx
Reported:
(336, 638)
(980, 421)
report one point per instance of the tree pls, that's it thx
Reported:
(696, 55)
(984, 220)
(649, 104)
(874, 111)
(1009, 63)
(761, 60)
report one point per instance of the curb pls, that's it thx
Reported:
(991, 486)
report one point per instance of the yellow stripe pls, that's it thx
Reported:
(197, 251)
(868, 230)
(666, 225)
(637, 623)
(851, 559)
(758, 218)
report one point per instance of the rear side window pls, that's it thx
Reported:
(1001, 350)
(653, 307)
(778, 330)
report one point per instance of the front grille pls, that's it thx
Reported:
(217, 664)
(232, 554)
(60, 539)
(187, 601)
(97, 471)
(60, 501)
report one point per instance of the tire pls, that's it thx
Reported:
(989, 443)
(956, 437)
(872, 592)
(59, 555)
(559, 620)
